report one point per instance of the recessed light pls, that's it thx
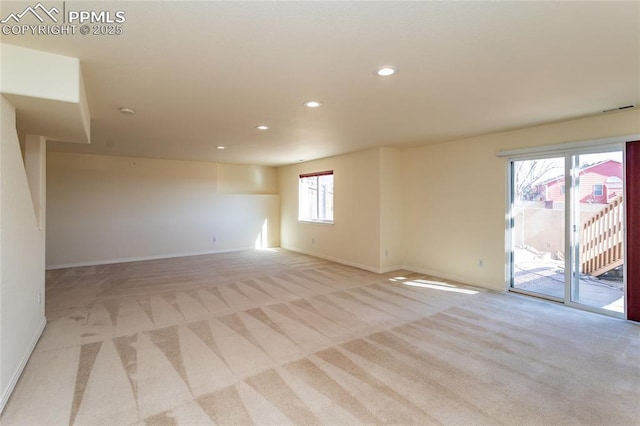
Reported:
(220, 147)
(386, 71)
(262, 127)
(312, 104)
(127, 111)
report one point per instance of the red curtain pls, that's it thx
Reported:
(325, 173)
(633, 230)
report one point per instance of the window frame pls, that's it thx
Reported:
(317, 176)
(565, 149)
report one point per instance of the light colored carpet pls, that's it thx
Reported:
(274, 337)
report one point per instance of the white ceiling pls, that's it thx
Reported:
(203, 74)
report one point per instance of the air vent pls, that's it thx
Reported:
(619, 108)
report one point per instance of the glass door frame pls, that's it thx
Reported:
(572, 222)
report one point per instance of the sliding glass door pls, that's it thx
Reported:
(567, 228)
(538, 232)
(598, 203)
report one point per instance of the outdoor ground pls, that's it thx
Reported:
(541, 273)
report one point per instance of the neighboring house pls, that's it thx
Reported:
(599, 184)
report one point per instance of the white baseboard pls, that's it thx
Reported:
(16, 375)
(390, 269)
(457, 278)
(425, 271)
(142, 258)
(433, 273)
(334, 259)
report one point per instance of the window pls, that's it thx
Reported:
(315, 197)
(598, 190)
(563, 188)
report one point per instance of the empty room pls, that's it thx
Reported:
(318, 212)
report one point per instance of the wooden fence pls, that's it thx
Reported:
(602, 240)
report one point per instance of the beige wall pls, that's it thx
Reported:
(454, 211)
(21, 257)
(246, 179)
(105, 209)
(437, 209)
(443, 236)
(354, 239)
(391, 210)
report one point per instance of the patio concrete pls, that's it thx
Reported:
(542, 274)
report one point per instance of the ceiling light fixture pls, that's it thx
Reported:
(312, 104)
(220, 147)
(386, 71)
(262, 127)
(127, 111)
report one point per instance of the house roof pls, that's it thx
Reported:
(205, 74)
(583, 170)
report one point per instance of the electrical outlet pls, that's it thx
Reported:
(386, 253)
(481, 263)
(214, 239)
